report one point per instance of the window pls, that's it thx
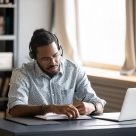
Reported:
(102, 31)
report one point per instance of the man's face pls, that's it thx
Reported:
(48, 57)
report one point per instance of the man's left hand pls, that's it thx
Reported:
(84, 108)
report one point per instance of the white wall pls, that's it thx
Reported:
(32, 14)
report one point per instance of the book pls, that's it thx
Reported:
(6, 60)
(2, 25)
(1, 1)
(54, 116)
(0, 86)
(5, 87)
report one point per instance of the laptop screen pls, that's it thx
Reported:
(128, 110)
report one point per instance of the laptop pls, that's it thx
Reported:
(128, 110)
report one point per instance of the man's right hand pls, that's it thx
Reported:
(69, 110)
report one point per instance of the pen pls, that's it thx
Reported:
(83, 99)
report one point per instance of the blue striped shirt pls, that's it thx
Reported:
(30, 85)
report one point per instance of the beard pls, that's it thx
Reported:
(50, 70)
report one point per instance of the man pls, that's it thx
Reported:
(51, 83)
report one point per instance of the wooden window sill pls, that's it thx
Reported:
(112, 76)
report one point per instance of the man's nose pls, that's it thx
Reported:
(52, 61)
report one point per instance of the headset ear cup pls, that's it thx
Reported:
(31, 55)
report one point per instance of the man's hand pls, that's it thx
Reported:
(84, 108)
(68, 110)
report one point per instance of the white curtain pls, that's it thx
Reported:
(65, 27)
(129, 66)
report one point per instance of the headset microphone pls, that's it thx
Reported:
(61, 50)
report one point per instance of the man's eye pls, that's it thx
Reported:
(56, 55)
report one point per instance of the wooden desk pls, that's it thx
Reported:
(68, 128)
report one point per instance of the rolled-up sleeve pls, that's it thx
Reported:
(18, 92)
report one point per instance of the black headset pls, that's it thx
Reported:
(32, 54)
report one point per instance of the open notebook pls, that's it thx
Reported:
(53, 116)
(128, 110)
(49, 118)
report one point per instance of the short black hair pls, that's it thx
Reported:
(41, 37)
